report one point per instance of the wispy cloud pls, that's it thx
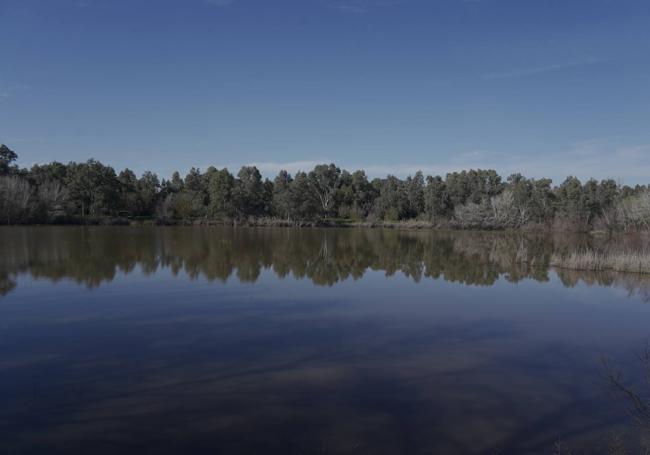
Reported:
(595, 158)
(531, 71)
(292, 166)
(271, 168)
(627, 163)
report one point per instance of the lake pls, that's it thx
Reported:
(209, 340)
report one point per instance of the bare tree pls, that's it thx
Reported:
(640, 403)
(15, 193)
(54, 197)
(634, 212)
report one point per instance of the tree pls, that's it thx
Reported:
(176, 184)
(52, 201)
(355, 195)
(304, 204)
(474, 185)
(458, 188)
(282, 203)
(191, 201)
(542, 200)
(436, 199)
(507, 212)
(364, 194)
(414, 187)
(472, 215)
(194, 181)
(267, 197)
(608, 193)
(148, 187)
(7, 156)
(54, 171)
(344, 197)
(474, 198)
(570, 204)
(221, 185)
(392, 203)
(128, 191)
(15, 193)
(633, 212)
(324, 180)
(249, 192)
(93, 187)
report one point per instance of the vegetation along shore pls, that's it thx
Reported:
(94, 193)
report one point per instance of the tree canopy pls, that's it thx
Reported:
(476, 198)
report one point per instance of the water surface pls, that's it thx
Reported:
(289, 341)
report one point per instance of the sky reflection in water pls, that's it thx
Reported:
(215, 340)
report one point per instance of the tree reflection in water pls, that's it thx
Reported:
(292, 368)
(93, 255)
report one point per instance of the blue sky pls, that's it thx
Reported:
(543, 87)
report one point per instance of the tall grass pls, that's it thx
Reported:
(630, 261)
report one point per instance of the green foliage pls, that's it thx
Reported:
(324, 182)
(392, 203)
(281, 199)
(472, 199)
(473, 186)
(437, 203)
(248, 192)
(221, 186)
(94, 188)
(304, 204)
(7, 156)
(414, 188)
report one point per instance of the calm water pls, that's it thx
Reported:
(238, 341)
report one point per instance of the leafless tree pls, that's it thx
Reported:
(639, 401)
(15, 193)
(54, 196)
(634, 212)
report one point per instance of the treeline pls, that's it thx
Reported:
(92, 191)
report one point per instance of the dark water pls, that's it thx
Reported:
(224, 341)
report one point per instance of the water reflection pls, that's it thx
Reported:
(354, 364)
(92, 256)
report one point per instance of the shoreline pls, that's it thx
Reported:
(410, 225)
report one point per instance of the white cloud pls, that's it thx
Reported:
(599, 159)
(531, 71)
(272, 168)
(595, 158)
(269, 168)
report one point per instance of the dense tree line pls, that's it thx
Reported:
(58, 192)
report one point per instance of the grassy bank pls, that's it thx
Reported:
(629, 261)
